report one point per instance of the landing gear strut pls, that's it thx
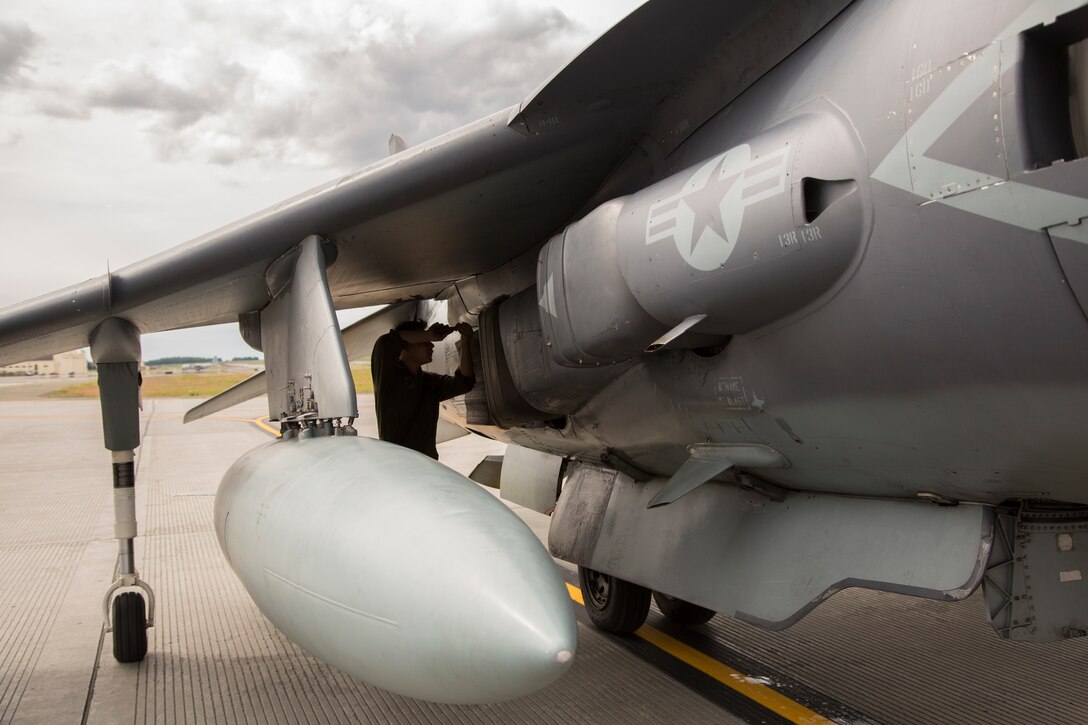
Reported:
(115, 348)
(613, 604)
(682, 612)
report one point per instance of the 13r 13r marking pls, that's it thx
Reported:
(795, 237)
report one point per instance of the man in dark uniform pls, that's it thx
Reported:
(406, 397)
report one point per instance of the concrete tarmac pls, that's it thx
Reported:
(860, 657)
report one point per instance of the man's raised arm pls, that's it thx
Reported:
(434, 333)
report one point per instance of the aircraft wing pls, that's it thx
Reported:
(403, 227)
(466, 202)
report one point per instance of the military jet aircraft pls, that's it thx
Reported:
(773, 299)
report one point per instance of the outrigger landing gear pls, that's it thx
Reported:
(129, 620)
(115, 348)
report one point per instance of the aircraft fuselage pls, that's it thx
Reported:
(881, 235)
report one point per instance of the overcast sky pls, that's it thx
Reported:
(129, 127)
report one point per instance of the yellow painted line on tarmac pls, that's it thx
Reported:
(262, 423)
(749, 687)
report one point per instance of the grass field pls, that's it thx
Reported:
(194, 385)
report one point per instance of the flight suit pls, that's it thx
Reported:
(406, 403)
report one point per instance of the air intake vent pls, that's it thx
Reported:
(820, 194)
(1078, 95)
(1054, 99)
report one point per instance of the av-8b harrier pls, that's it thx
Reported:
(774, 298)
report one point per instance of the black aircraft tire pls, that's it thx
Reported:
(681, 612)
(614, 605)
(129, 627)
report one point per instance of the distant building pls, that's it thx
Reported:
(70, 364)
(63, 365)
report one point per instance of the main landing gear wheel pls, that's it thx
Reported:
(681, 612)
(613, 604)
(129, 627)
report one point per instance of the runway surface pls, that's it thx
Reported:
(860, 657)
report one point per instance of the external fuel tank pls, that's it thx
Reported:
(395, 569)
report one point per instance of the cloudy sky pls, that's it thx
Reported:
(128, 127)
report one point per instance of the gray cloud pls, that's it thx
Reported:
(208, 89)
(16, 43)
(140, 88)
(328, 93)
(424, 83)
(58, 106)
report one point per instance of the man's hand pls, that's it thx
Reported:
(438, 331)
(465, 329)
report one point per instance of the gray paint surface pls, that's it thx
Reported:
(308, 376)
(897, 308)
(737, 553)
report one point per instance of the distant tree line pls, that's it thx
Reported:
(183, 360)
(179, 360)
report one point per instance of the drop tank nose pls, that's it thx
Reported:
(393, 568)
